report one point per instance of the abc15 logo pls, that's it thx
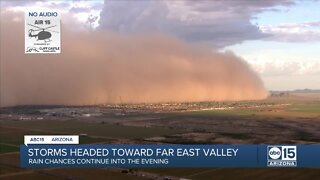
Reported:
(286, 153)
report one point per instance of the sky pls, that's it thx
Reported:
(279, 39)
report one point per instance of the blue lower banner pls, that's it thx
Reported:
(169, 155)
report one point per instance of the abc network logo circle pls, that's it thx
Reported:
(275, 153)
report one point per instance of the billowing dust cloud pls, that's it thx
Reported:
(100, 67)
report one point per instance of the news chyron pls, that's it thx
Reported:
(42, 32)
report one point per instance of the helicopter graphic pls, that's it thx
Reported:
(44, 34)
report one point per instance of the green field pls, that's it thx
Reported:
(306, 108)
(5, 148)
(91, 129)
(12, 132)
(310, 109)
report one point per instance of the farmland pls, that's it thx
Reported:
(277, 120)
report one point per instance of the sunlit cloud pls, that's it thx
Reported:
(294, 32)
